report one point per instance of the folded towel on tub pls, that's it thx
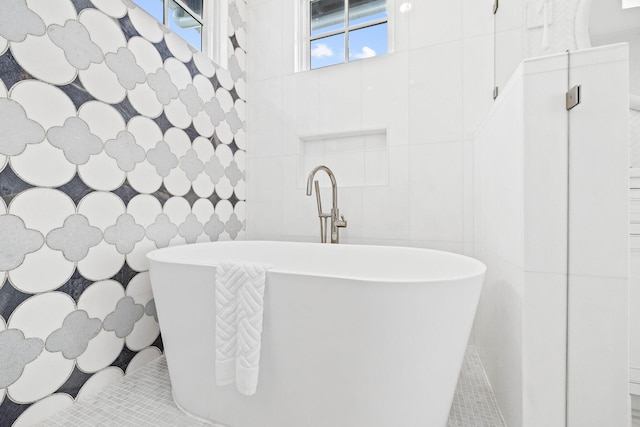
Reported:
(239, 309)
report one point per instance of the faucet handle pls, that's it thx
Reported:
(341, 222)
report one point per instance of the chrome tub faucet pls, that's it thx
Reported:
(337, 220)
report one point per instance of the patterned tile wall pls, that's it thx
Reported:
(116, 138)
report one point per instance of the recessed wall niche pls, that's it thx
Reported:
(358, 159)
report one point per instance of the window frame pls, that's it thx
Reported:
(304, 37)
(166, 9)
(214, 27)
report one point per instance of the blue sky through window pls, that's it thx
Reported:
(328, 16)
(327, 51)
(191, 30)
(155, 8)
(367, 42)
(363, 43)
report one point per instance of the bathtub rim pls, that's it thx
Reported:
(479, 268)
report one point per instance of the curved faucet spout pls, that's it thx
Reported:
(336, 220)
(334, 185)
(313, 173)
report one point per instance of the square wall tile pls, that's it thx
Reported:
(385, 213)
(348, 167)
(265, 60)
(385, 95)
(436, 192)
(598, 352)
(300, 214)
(434, 21)
(544, 348)
(599, 204)
(509, 54)
(545, 172)
(290, 38)
(264, 118)
(477, 18)
(376, 167)
(435, 94)
(301, 108)
(498, 178)
(401, 14)
(468, 198)
(383, 85)
(385, 242)
(498, 327)
(510, 15)
(453, 247)
(477, 81)
(356, 158)
(340, 97)
(350, 205)
(264, 188)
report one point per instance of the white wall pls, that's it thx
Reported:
(499, 224)
(521, 234)
(429, 95)
(610, 24)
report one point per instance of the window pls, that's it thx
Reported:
(343, 30)
(626, 4)
(194, 21)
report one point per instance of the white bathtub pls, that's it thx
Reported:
(352, 336)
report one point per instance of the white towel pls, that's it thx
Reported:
(239, 308)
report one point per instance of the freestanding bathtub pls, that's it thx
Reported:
(353, 335)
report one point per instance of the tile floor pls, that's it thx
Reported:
(143, 399)
(474, 404)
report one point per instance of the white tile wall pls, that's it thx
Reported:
(267, 100)
(543, 352)
(435, 93)
(503, 367)
(530, 183)
(608, 144)
(498, 241)
(468, 196)
(300, 114)
(381, 216)
(266, 196)
(360, 159)
(509, 53)
(430, 94)
(477, 18)
(433, 22)
(598, 360)
(477, 81)
(510, 15)
(340, 97)
(384, 83)
(435, 208)
(545, 147)
(266, 56)
(401, 15)
(423, 93)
